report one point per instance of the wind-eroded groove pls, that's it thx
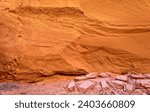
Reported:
(50, 11)
(100, 26)
(106, 58)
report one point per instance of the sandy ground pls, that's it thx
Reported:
(48, 86)
(41, 88)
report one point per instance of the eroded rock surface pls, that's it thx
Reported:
(74, 37)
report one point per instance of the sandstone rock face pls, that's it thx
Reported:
(74, 37)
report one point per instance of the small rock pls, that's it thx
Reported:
(129, 87)
(139, 91)
(122, 78)
(145, 83)
(97, 88)
(92, 75)
(131, 81)
(104, 84)
(148, 91)
(148, 76)
(144, 94)
(133, 76)
(115, 92)
(71, 86)
(118, 84)
(108, 93)
(142, 83)
(138, 84)
(85, 86)
(80, 78)
(104, 75)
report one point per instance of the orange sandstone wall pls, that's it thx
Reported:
(44, 37)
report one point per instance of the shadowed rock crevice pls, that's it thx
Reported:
(29, 11)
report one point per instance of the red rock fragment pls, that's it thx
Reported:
(132, 81)
(92, 75)
(142, 83)
(148, 91)
(97, 87)
(129, 87)
(133, 76)
(145, 83)
(118, 84)
(138, 84)
(85, 86)
(148, 76)
(139, 91)
(115, 92)
(104, 85)
(104, 75)
(144, 94)
(71, 86)
(80, 78)
(122, 78)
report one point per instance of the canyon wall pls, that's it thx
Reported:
(73, 37)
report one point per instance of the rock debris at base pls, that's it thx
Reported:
(90, 84)
(104, 84)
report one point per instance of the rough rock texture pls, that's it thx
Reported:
(74, 37)
(112, 85)
(68, 86)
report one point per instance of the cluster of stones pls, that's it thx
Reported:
(108, 84)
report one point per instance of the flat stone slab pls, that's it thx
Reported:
(133, 76)
(104, 75)
(80, 78)
(129, 87)
(122, 78)
(148, 76)
(98, 87)
(145, 83)
(71, 86)
(104, 84)
(118, 84)
(85, 86)
(92, 75)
